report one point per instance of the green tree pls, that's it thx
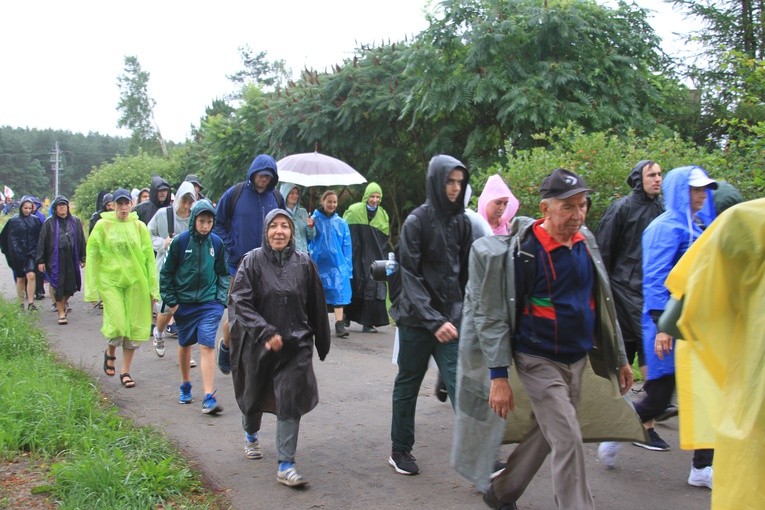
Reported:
(258, 70)
(137, 109)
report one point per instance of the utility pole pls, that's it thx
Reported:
(55, 159)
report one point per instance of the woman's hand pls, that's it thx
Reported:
(274, 343)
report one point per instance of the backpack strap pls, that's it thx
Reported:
(170, 221)
(231, 204)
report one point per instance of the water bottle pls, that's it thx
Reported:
(391, 266)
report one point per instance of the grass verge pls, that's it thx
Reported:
(94, 457)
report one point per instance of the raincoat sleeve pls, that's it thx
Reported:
(81, 241)
(660, 250)
(245, 320)
(94, 253)
(317, 311)
(224, 278)
(5, 245)
(221, 220)
(42, 241)
(167, 284)
(347, 248)
(152, 277)
(608, 226)
(156, 230)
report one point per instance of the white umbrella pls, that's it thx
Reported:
(314, 169)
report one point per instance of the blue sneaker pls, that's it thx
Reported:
(185, 397)
(224, 358)
(211, 405)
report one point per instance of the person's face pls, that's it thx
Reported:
(330, 204)
(122, 208)
(144, 196)
(261, 181)
(496, 208)
(197, 190)
(279, 233)
(698, 196)
(292, 197)
(454, 184)
(374, 200)
(564, 218)
(162, 194)
(204, 223)
(652, 180)
(109, 206)
(62, 209)
(27, 208)
(184, 207)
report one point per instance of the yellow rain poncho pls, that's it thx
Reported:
(123, 273)
(720, 366)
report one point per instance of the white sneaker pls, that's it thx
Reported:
(607, 453)
(192, 363)
(159, 343)
(701, 477)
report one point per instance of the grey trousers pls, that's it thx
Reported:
(287, 430)
(554, 390)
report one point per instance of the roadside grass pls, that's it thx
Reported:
(96, 458)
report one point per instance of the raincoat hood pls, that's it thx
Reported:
(435, 186)
(285, 188)
(496, 188)
(269, 218)
(61, 199)
(260, 163)
(25, 198)
(726, 195)
(36, 201)
(107, 198)
(635, 178)
(196, 209)
(677, 196)
(186, 188)
(156, 183)
(372, 187)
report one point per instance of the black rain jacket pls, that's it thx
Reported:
(149, 208)
(18, 239)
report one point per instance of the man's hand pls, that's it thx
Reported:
(625, 378)
(662, 345)
(274, 343)
(446, 333)
(501, 397)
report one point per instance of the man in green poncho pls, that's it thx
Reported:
(123, 275)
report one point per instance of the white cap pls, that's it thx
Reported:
(699, 179)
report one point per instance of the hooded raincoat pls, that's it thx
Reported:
(486, 341)
(18, 240)
(122, 273)
(495, 189)
(433, 275)
(369, 241)
(61, 247)
(619, 237)
(243, 231)
(665, 240)
(158, 226)
(149, 208)
(331, 251)
(720, 369)
(277, 293)
(303, 233)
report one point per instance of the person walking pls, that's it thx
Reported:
(18, 241)
(122, 273)
(61, 252)
(331, 251)
(194, 282)
(277, 314)
(497, 204)
(107, 204)
(370, 228)
(433, 270)
(304, 225)
(159, 196)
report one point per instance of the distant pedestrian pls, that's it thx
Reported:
(277, 315)
(370, 227)
(18, 241)
(61, 252)
(159, 197)
(194, 180)
(107, 204)
(304, 227)
(497, 204)
(331, 251)
(194, 284)
(122, 273)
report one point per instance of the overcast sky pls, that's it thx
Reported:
(60, 60)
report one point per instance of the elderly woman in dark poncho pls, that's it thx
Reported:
(277, 312)
(61, 253)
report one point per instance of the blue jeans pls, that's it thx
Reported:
(416, 345)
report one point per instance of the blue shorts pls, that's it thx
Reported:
(198, 323)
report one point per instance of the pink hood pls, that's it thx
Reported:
(496, 188)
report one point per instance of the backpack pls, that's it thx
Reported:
(183, 243)
(237, 192)
(170, 221)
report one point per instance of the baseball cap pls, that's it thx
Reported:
(562, 183)
(122, 194)
(193, 179)
(699, 179)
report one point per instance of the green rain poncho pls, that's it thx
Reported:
(122, 273)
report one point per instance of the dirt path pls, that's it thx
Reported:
(344, 443)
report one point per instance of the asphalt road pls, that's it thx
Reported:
(345, 442)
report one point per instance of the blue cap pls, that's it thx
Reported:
(122, 193)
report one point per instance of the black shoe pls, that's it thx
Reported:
(669, 412)
(403, 462)
(491, 501)
(340, 330)
(654, 443)
(441, 392)
(39, 296)
(347, 322)
(368, 329)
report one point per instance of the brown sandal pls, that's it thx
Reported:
(126, 380)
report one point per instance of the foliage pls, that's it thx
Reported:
(137, 109)
(100, 461)
(127, 172)
(605, 160)
(259, 70)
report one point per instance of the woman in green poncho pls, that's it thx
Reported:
(370, 228)
(123, 275)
